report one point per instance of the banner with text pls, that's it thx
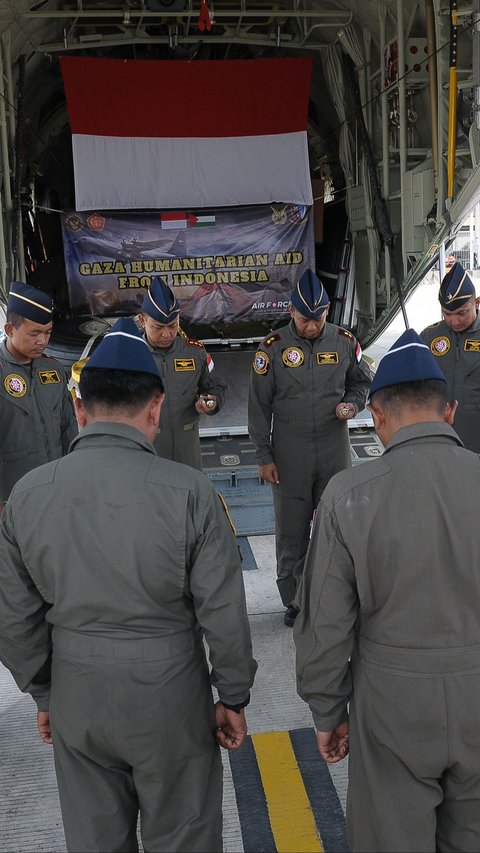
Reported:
(225, 266)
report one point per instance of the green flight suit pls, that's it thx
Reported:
(37, 420)
(295, 387)
(389, 621)
(119, 563)
(458, 355)
(187, 371)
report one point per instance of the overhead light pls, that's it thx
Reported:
(126, 14)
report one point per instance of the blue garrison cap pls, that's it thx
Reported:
(123, 348)
(160, 303)
(30, 303)
(310, 297)
(456, 288)
(408, 360)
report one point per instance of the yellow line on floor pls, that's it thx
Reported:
(293, 825)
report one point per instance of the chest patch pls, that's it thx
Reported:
(15, 385)
(49, 377)
(327, 357)
(440, 346)
(293, 357)
(261, 363)
(471, 345)
(183, 364)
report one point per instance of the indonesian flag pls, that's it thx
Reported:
(184, 135)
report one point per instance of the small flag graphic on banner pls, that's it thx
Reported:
(178, 221)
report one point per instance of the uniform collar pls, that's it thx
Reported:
(126, 435)
(430, 429)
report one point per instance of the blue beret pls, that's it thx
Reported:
(123, 348)
(160, 303)
(456, 288)
(310, 297)
(30, 303)
(408, 360)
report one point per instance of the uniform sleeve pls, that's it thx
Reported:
(358, 378)
(217, 590)
(69, 424)
(25, 647)
(260, 400)
(212, 383)
(324, 630)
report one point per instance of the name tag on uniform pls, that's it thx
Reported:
(49, 377)
(327, 357)
(471, 346)
(182, 364)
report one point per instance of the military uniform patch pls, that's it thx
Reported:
(261, 363)
(440, 346)
(271, 340)
(292, 357)
(49, 377)
(327, 357)
(195, 343)
(471, 345)
(15, 385)
(345, 332)
(183, 364)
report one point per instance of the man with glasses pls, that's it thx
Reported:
(192, 387)
(455, 343)
(308, 379)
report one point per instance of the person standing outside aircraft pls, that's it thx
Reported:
(455, 343)
(307, 380)
(109, 639)
(37, 421)
(192, 386)
(388, 624)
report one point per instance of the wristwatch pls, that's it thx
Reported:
(237, 708)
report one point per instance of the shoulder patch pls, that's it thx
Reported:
(433, 325)
(194, 343)
(227, 512)
(345, 333)
(272, 339)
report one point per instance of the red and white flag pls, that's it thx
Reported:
(184, 135)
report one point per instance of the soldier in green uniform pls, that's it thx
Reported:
(37, 421)
(455, 343)
(307, 380)
(192, 386)
(105, 601)
(388, 634)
